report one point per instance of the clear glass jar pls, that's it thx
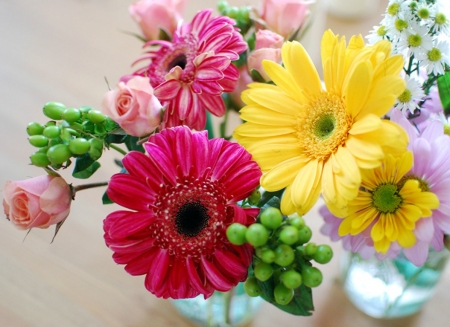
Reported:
(233, 308)
(391, 288)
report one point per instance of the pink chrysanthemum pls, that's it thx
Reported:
(190, 73)
(183, 195)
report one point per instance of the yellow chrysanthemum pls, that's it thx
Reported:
(310, 139)
(390, 204)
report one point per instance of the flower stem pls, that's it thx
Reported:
(87, 186)
(115, 147)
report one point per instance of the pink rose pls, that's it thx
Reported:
(268, 47)
(37, 202)
(243, 81)
(284, 16)
(133, 106)
(153, 15)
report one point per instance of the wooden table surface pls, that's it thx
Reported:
(63, 51)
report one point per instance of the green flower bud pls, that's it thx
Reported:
(38, 141)
(35, 128)
(39, 159)
(52, 132)
(71, 115)
(254, 198)
(95, 116)
(58, 154)
(79, 146)
(54, 110)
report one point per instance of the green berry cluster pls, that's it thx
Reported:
(240, 14)
(71, 132)
(283, 254)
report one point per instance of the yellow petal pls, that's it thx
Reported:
(287, 206)
(377, 232)
(306, 182)
(299, 64)
(282, 174)
(367, 124)
(272, 154)
(350, 175)
(283, 80)
(261, 115)
(406, 238)
(259, 130)
(275, 100)
(357, 86)
(367, 151)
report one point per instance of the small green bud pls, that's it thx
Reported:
(71, 115)
(35, 128)
(39, 159)
(236, 233)
(222, 6)
(232, 12)
(52, 132)
(95, 116)
(79, 146)
(58, 154)
(54, 110)
(38, 141)
(254, 198)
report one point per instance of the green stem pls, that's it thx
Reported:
(87, 186)
(118, 149)
(227, 305)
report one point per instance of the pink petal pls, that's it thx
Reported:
(215, 277)
(165, 165)
(200, 151)
(139, 265)
(138, 164)
(200, 285)
(214, 104)
(126, 223)
(130, 192)
(184, 101)
(184, 150)
(231, 263)
(231, 154)
(418, 253)
(159, 261)
(168, 90)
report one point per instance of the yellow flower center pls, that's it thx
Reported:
(386, 198)
(323, 126)
(423, 13)
(381, 31)
(414, 40)
(393, 9)
(405, 96)
(400, 24)
(434, 54)
(440, 19)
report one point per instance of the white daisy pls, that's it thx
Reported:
(378, 33)
(412, 94)
(435, 59)
(425, 11)
(416, 39)
(442, 20)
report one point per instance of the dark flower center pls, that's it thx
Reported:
(191, 219)
(179, 60)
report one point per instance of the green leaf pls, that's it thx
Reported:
(256, 76)
(443, 83)
(106, 199)
(209, 125)
(88, 172)
(270, 199)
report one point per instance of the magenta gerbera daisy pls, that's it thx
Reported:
(182, 195)
(190, 73)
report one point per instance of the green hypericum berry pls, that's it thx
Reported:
(222, 6)
(35, 128)
(312, 277)
(95, 116)
(71, 115)
(284, 255)
(38, 141)
(323, 254)
(96, 148)
(232, 12)
(304, 234)
(310, 249)
(236, 233)
(257, 235)
(79, 146)
(39, 159)
(244, 14)
(263, 271)
(50, 123)
(251, 287)
(54, 110)
(289, 235)
(52, 132)
(296, 221)
(291, 279)
(254, 198)
(271, 218)
(267, 256)
(282, 294)
(58, 154)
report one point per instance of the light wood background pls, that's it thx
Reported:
(63, 51)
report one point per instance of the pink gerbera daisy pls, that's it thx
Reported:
(190, 73)
(183, 196)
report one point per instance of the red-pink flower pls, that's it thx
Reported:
(182, 195)
(190, 73)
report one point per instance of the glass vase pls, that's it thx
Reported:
(233, 308)
(391, 288)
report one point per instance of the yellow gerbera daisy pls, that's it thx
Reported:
(307, 138)
(390, 203)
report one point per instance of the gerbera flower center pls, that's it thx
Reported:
(434, 54)
(386, 198)
(440, 19)
(179, 60)
(400, 24)
(405, 96)
(191, 219)
(323, 126)
(414, 40)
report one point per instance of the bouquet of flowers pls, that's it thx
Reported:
(203, 213)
